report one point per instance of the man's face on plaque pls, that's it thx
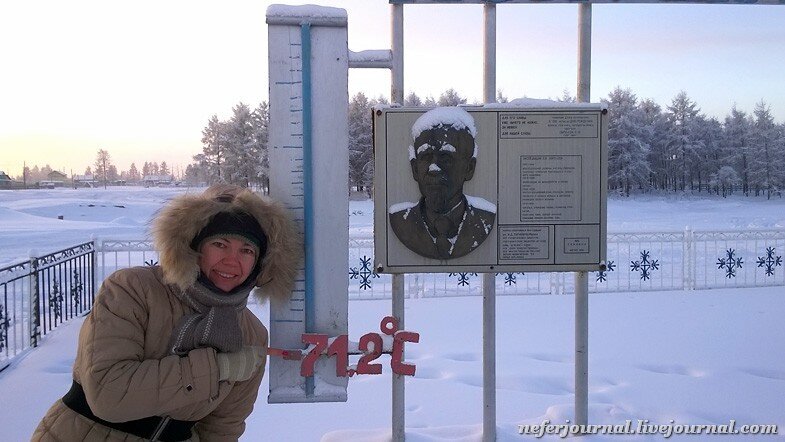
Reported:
(443, 161)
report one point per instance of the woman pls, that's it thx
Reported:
(171, 352)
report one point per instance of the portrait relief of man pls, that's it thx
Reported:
(445, 223)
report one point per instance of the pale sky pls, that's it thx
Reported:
(140, 79)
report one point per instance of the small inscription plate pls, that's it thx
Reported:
(548, 126)
(550, 188)
(576, 245)
(523, 242)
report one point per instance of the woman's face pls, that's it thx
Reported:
(227, 261)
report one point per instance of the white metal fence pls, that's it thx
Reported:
(637, 261)
(38, 295)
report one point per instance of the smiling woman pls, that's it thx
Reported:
(171, 352)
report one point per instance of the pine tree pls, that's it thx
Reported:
(709, 132)
(261, 130)
(767, 162)
(412, 100)
(450, 97)
(736, 144)
(133, 174)
(360, 142)
(243, 153)
(628, 151)
(656, 129)
(163, 169)
(567, 97)
(682, 145)
(214, 141)
(725, 179)
(102, 163)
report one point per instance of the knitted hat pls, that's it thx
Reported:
(238, 224)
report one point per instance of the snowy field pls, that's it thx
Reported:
(702, 357)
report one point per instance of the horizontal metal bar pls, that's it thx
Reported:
(540, 2)
(371, 59)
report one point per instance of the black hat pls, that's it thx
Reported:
(238, 224)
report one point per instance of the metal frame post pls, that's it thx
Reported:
(398, 381)
(581, 347)
(489, 53)
(35, 303)
(398, 280)
(489, 279)
(396, 15)
(582, 278)
(488, 357)
(584, 53)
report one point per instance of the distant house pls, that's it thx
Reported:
(157, 180)
(85, 180)
(56, 176)
(53, 179)
(6, 182)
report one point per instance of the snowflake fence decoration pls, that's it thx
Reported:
(509, 278)
(56, 300)
(364, 273)
(769, 261)
(463, 278)
(644, 265)
(76, 288)
(730, 263)
(602, 276)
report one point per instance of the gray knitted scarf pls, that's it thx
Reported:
(215, 323)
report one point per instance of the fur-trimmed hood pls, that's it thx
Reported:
(185, 216)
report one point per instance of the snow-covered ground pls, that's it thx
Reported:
(704, 357)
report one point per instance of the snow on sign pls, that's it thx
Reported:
(499, 188)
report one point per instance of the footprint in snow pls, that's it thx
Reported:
(672, 369)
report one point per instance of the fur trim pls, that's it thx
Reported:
(185, 216)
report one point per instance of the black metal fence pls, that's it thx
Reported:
(39, 294)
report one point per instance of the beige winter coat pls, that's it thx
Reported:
(123, 362)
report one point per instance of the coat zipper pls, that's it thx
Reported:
(160, 429)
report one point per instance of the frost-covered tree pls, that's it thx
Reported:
(567, 97)
(766, 167)
(163, 169)
(709, 132)
(500, 97)
(243, 155)
(450, 97)
(412, 100)
(628, 166)
(360, 142)
(102, 163)
(195, 173)
(111, 173)
(657, 127)
(682, 144)
(736, 145)
(261, 129)
(214, 145)
(133, 174)
(725, 180)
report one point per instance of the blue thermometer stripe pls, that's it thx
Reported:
(305, 53)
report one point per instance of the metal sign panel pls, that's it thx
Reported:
(531, 197)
